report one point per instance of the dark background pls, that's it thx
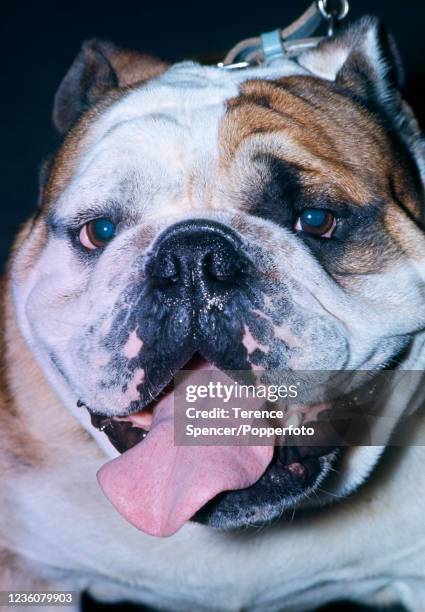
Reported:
(39, 40)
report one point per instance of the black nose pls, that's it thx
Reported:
(201, 255)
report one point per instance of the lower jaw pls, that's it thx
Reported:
(283, 487)
(292, 476)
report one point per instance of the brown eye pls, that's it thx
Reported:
(317, 222)
(97, 233)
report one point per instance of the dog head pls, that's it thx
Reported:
(260, 219)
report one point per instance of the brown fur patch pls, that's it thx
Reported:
(133, 67)
(35, 427)
(340, 148)
(18, 448)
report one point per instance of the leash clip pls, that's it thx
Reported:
(333, 15)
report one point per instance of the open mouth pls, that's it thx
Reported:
(126, 431)
(158, 486)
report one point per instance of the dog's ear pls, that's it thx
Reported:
(99, 67)
(363, 57)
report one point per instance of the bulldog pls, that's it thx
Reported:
(267, 218)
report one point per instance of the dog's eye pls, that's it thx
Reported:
(97, 233)
(317, 222)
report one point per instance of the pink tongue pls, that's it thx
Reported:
(157, 486)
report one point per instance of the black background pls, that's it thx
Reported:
(39, 40)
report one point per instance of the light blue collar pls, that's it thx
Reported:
(289, 42)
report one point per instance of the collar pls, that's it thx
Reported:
(288, 42)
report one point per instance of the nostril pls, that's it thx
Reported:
(223, 267)
(166, 268)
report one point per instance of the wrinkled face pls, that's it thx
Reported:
(256, 223)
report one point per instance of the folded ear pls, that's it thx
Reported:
(363, 57)
(99, 67)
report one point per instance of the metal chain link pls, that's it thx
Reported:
(333, 14)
